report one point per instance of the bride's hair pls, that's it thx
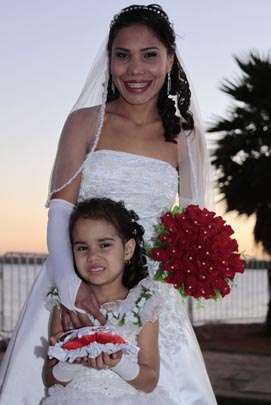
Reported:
(127, 227)
(155, 18)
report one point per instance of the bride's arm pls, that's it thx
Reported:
(73, 292)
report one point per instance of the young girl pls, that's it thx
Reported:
(107, 248)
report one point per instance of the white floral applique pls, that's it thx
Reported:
(52, 299)
(141, 305)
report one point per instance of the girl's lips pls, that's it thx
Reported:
(95, 269)
(137, 86)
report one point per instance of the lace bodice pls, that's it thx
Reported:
(146, 185)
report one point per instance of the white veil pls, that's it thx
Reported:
(88, 114)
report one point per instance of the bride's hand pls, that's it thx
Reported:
(87, 301)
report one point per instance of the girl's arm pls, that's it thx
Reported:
(56, 372)
(55, 329)
(147, 370)
(148, 358)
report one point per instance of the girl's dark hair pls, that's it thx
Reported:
(155, 18)
(124, 221)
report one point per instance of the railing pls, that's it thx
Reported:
(17, 273)
(247, 302)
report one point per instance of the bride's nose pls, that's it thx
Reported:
(135, 66)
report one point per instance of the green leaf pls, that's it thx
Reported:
(200, 303)
(147, 248)
(159, 275)
(159, 229)
(176, 209)
(122, 320)
(217, 295)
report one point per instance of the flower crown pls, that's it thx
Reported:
(152, 8)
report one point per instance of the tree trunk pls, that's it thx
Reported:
(267, 324)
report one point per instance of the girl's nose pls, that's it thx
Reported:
(92, 254)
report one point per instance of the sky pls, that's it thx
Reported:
(46, 51)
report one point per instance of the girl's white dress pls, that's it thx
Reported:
(95, 387)
(148, 186)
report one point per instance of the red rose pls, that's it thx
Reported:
(160, 254)
(169, 222)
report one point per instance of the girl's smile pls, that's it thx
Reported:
(100, 254)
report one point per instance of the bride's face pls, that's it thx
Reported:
(139, 64)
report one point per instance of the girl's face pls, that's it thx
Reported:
(139, 64)
(99, 252)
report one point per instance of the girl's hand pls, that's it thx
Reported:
(103, 361)
(55, 338)
(111, 360)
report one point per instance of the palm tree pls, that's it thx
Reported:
(243, 153)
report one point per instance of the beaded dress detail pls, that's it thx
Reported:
(146, 185)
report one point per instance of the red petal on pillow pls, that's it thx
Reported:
(79, 342)
(102, 337)
(99, 337)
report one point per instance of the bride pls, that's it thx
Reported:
(133, 135)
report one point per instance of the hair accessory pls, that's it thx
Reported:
(168, 83)
(152, 8)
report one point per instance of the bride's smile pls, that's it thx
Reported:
(139, 64)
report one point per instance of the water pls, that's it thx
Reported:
(246, 303)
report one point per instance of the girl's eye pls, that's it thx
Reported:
(150, 54)
(105, 245)
(81, 248)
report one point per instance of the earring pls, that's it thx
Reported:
(168, 83)
(113, 88)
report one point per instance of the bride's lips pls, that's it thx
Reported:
(137, 86)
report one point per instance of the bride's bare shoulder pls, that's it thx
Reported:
(84, 114)
(82, 121)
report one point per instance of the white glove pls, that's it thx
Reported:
(60, 251)
(126, 368)
(65, 372)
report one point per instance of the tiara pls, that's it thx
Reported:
(152, 8)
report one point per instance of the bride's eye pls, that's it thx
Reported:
(121, 55)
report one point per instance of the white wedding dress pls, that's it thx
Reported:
(148, 186)
(98, 387)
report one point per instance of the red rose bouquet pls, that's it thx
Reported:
(196, 252)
